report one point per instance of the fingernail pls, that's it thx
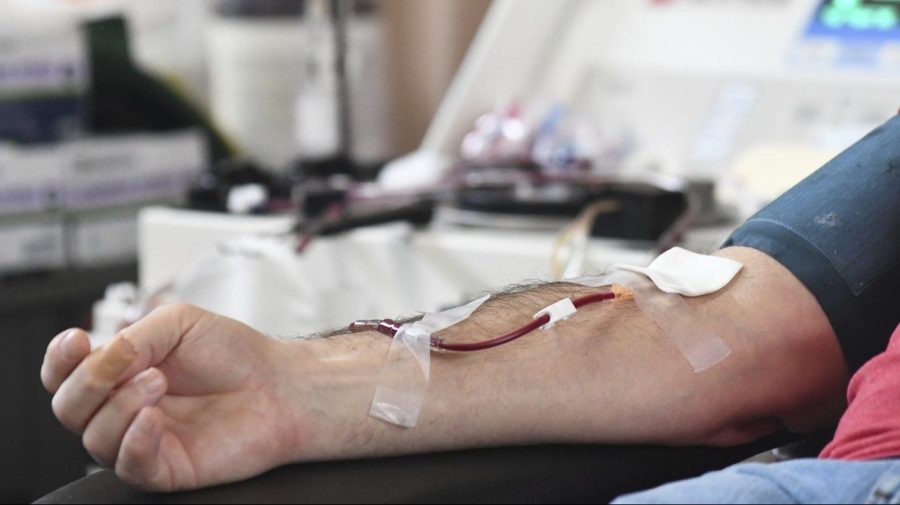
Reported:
(70, 346)
(152, 382)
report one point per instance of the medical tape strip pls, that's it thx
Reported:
(406, 373)
(697, 340)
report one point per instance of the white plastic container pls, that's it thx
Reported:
(256, 65)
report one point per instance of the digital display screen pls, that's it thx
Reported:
(864, 19)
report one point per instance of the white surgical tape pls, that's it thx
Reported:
(404, 379)
(698, 340)
(676, 273)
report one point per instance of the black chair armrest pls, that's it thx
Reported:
(570, 474)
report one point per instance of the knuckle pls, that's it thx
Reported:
(177, 310)
(130, 470)
(53, 360)
(130, 454)
(63, 414)
(95, 387)
(123, 404)
(58, 409)
(146, 484)
(52, 347)
(46, 379)
(182, 315)
(127, 474)
(155, 484)
(95, 445)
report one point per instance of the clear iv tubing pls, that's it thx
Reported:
(390, 327)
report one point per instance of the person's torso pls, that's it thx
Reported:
(870, 430)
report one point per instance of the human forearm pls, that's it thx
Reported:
(607, 375)
(233, 403)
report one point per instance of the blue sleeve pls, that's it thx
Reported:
(839, 233)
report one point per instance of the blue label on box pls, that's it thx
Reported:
(40, 120)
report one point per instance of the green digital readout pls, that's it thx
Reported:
(864, 15)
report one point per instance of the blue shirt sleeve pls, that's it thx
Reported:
(838, 231)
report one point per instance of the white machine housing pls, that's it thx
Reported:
(700, 82)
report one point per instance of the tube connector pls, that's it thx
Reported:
(621, 292)
(559, 311)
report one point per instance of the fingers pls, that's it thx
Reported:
(161, 332)
(122, 427)
(139, 460)
(145, 344)
(106, 430)
(88, 387)
(64, 353)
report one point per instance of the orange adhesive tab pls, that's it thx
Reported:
(621, 292)
(108, 364)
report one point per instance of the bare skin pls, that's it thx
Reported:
(206, 400)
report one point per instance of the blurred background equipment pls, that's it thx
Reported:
(256, 53)
(108, 106)
(263, 158)
(44, 79)
(673, 120)
(697, 85)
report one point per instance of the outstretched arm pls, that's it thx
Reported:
(208, 400)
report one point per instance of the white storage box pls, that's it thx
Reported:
(30, 179)
(125, 170)
(30, 244)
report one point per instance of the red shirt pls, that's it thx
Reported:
(870, 429)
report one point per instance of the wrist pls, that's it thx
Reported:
(328, 385)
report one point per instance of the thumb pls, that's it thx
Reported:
(158, 334)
